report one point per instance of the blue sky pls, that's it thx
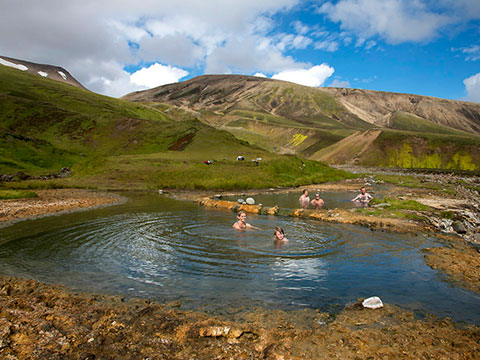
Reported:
(117, 46)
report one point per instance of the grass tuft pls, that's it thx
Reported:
(16, 194)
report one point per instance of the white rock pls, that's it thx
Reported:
(373, 302)
(250, 201)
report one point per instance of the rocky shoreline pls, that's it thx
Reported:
(40, 321)
(51, 202)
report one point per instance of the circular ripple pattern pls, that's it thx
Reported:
(196, 256)
(171, 249)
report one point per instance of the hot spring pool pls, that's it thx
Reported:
(289, 200)
(165, 250)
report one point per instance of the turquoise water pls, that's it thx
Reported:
(171, 250)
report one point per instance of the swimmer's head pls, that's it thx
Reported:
(317, 196)
(363, 190)
(305, 192)
(279, 233)
(242, 215)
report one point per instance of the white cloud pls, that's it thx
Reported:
(260, 75)
(300, 28)
(330, 46)
(315, 76)
(97, 40)
(291, 41)
(462, 9)
(472, 85)
(340, 83)
(174, 48)
(157, 75)
(370, 44)
(396, 21)
(472, 53)
(247, 55)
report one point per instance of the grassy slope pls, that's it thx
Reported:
(111, 143)
(286, 117)
(409, 122)
(239, 104)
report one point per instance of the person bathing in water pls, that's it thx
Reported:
(363, 197)
(317, 202)
(304, 199)
(241, 223)
(280, 238)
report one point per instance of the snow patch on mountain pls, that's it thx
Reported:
(62, 74)
(16, 66)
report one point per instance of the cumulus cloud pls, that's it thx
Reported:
(247, 55)
(396, 21)
(157, 75)
(260, 75)
(174, 48)
(97, 40)
(314, 76)
(472, 85)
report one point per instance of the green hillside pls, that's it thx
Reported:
(410, 122)
(338, 126)
(111, 143)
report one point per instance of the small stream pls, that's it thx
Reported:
(165, 249)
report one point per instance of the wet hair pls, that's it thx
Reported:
(304, 191)
(241, 212)
(278, 229)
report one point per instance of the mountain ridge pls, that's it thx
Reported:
(49, 71)
(358, 102)
(415, 130)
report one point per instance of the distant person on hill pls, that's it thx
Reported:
(280, 238)
(317, 202)
(241, 223)
(304, 199)
(363, 198)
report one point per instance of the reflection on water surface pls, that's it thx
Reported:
(166, 249)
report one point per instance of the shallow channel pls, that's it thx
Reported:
(164, 249)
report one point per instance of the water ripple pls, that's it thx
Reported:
(175, 253)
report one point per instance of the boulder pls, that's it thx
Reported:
(250, 201)
(6, 178)
(373, 302)
(64, 172)
(21, 175)
(459, 227)
(475, 238)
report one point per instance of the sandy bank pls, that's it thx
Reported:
(53, 202)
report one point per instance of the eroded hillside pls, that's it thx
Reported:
(329, 124)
